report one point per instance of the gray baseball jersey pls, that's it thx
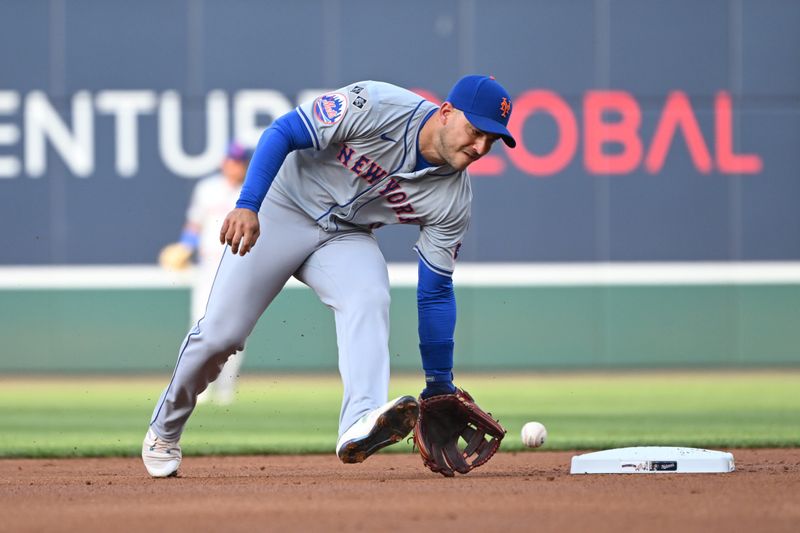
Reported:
(316, 224)
(360, 172)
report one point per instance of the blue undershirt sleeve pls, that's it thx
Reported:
(436, 307)
(285, 135)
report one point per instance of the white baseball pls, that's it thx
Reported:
(533, 434)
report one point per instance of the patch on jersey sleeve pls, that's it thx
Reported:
(330, 108)
(456, 251)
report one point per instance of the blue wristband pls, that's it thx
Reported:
(437, 361)
(190, 239)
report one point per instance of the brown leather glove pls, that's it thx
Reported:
(175, 256)
(442, 421)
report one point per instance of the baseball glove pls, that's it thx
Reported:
(445, 419)
(175, 256)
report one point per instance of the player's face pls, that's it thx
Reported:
(461, 144)
(234, 170)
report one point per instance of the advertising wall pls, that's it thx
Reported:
(650, 131)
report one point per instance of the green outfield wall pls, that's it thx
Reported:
(499, 328)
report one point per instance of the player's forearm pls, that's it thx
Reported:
(285, 135)
(436, 306)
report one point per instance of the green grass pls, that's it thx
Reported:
(65, 417)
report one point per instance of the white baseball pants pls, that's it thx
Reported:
(347, 271)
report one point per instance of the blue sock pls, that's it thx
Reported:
(438, 388)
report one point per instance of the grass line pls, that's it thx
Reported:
(95, 416)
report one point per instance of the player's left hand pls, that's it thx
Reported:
(175, 256)
(240, 230)
(443, 421)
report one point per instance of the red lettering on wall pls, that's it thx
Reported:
(597, 133)
(528, 104)
(678, 113)
(427, 95)
(677, 116)
(727, 161)
(488, 165)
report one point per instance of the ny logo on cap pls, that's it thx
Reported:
(505, 107)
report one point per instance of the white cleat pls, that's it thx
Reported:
(377, 429)
(161, 457)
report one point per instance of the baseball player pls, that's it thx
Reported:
(211, 200)
(322, 178)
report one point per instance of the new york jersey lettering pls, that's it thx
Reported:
(371, 172)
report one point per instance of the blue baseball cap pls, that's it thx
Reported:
(485, 103)
(238, 152)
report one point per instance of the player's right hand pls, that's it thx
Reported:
(240, 230)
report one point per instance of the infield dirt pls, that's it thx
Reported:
(530, 491)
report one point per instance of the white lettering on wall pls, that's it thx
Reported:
(306, 95)
(249, 105)
(170, 142)
(9, 134)
(126, 106)
(42, 122)
(43, 128)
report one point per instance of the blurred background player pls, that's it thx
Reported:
(213, 197)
